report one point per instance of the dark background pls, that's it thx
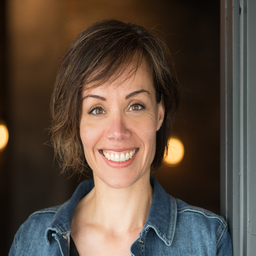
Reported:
(34, 35)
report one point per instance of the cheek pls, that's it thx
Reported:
(89, 135)
(149, 136)
(146, 130)
(148, 125)
(149, 141)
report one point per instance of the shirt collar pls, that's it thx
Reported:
(162, 214)
(61, 222)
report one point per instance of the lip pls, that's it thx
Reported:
(119, 164)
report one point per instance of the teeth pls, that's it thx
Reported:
(122, 158)
(116, 158)
(119, 157)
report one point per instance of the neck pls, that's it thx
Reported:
(117, 210)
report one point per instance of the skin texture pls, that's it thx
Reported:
(117, 117)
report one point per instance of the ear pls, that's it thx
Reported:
(160, 114)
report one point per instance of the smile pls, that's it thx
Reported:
(119, 157)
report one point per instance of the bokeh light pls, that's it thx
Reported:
(175, 152)
(4, 136)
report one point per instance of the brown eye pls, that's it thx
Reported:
(136, 107)
(97, 111)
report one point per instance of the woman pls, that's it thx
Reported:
(112, 109)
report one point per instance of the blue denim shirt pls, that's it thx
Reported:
(172, 228)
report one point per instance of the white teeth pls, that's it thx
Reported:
(119, 157)
(116, 158)
(122, 158)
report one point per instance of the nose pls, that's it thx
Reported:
(117, 128)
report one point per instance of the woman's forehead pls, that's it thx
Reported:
(128, 74)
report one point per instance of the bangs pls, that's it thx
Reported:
(112, 68)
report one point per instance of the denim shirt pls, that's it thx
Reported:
(172, 228)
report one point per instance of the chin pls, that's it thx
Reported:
(120, 182)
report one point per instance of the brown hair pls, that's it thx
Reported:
(96, 55)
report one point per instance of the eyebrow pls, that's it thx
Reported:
(126, 97)
(95, 96)
(136, 92)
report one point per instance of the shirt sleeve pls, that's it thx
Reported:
(224, 246)
(13, 249)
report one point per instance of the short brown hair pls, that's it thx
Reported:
(96, 55)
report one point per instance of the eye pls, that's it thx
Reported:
(136, 107)
(97, 111)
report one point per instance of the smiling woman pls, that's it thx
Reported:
(99, 54)
(118, 127)
(113, 106)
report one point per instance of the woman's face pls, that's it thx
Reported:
(118, 128)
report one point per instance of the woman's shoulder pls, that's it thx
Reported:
(198, 212)
(38, 221)
(30, 235)
(191, 230)
(197, 220)
(184, 218)
(45, 212)
(43, 216)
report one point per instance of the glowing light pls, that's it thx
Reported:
(4, 136)
(175, 151)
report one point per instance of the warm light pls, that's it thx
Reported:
(4, 136)
(175, 151)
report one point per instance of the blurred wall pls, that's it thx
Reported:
(39, 32)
